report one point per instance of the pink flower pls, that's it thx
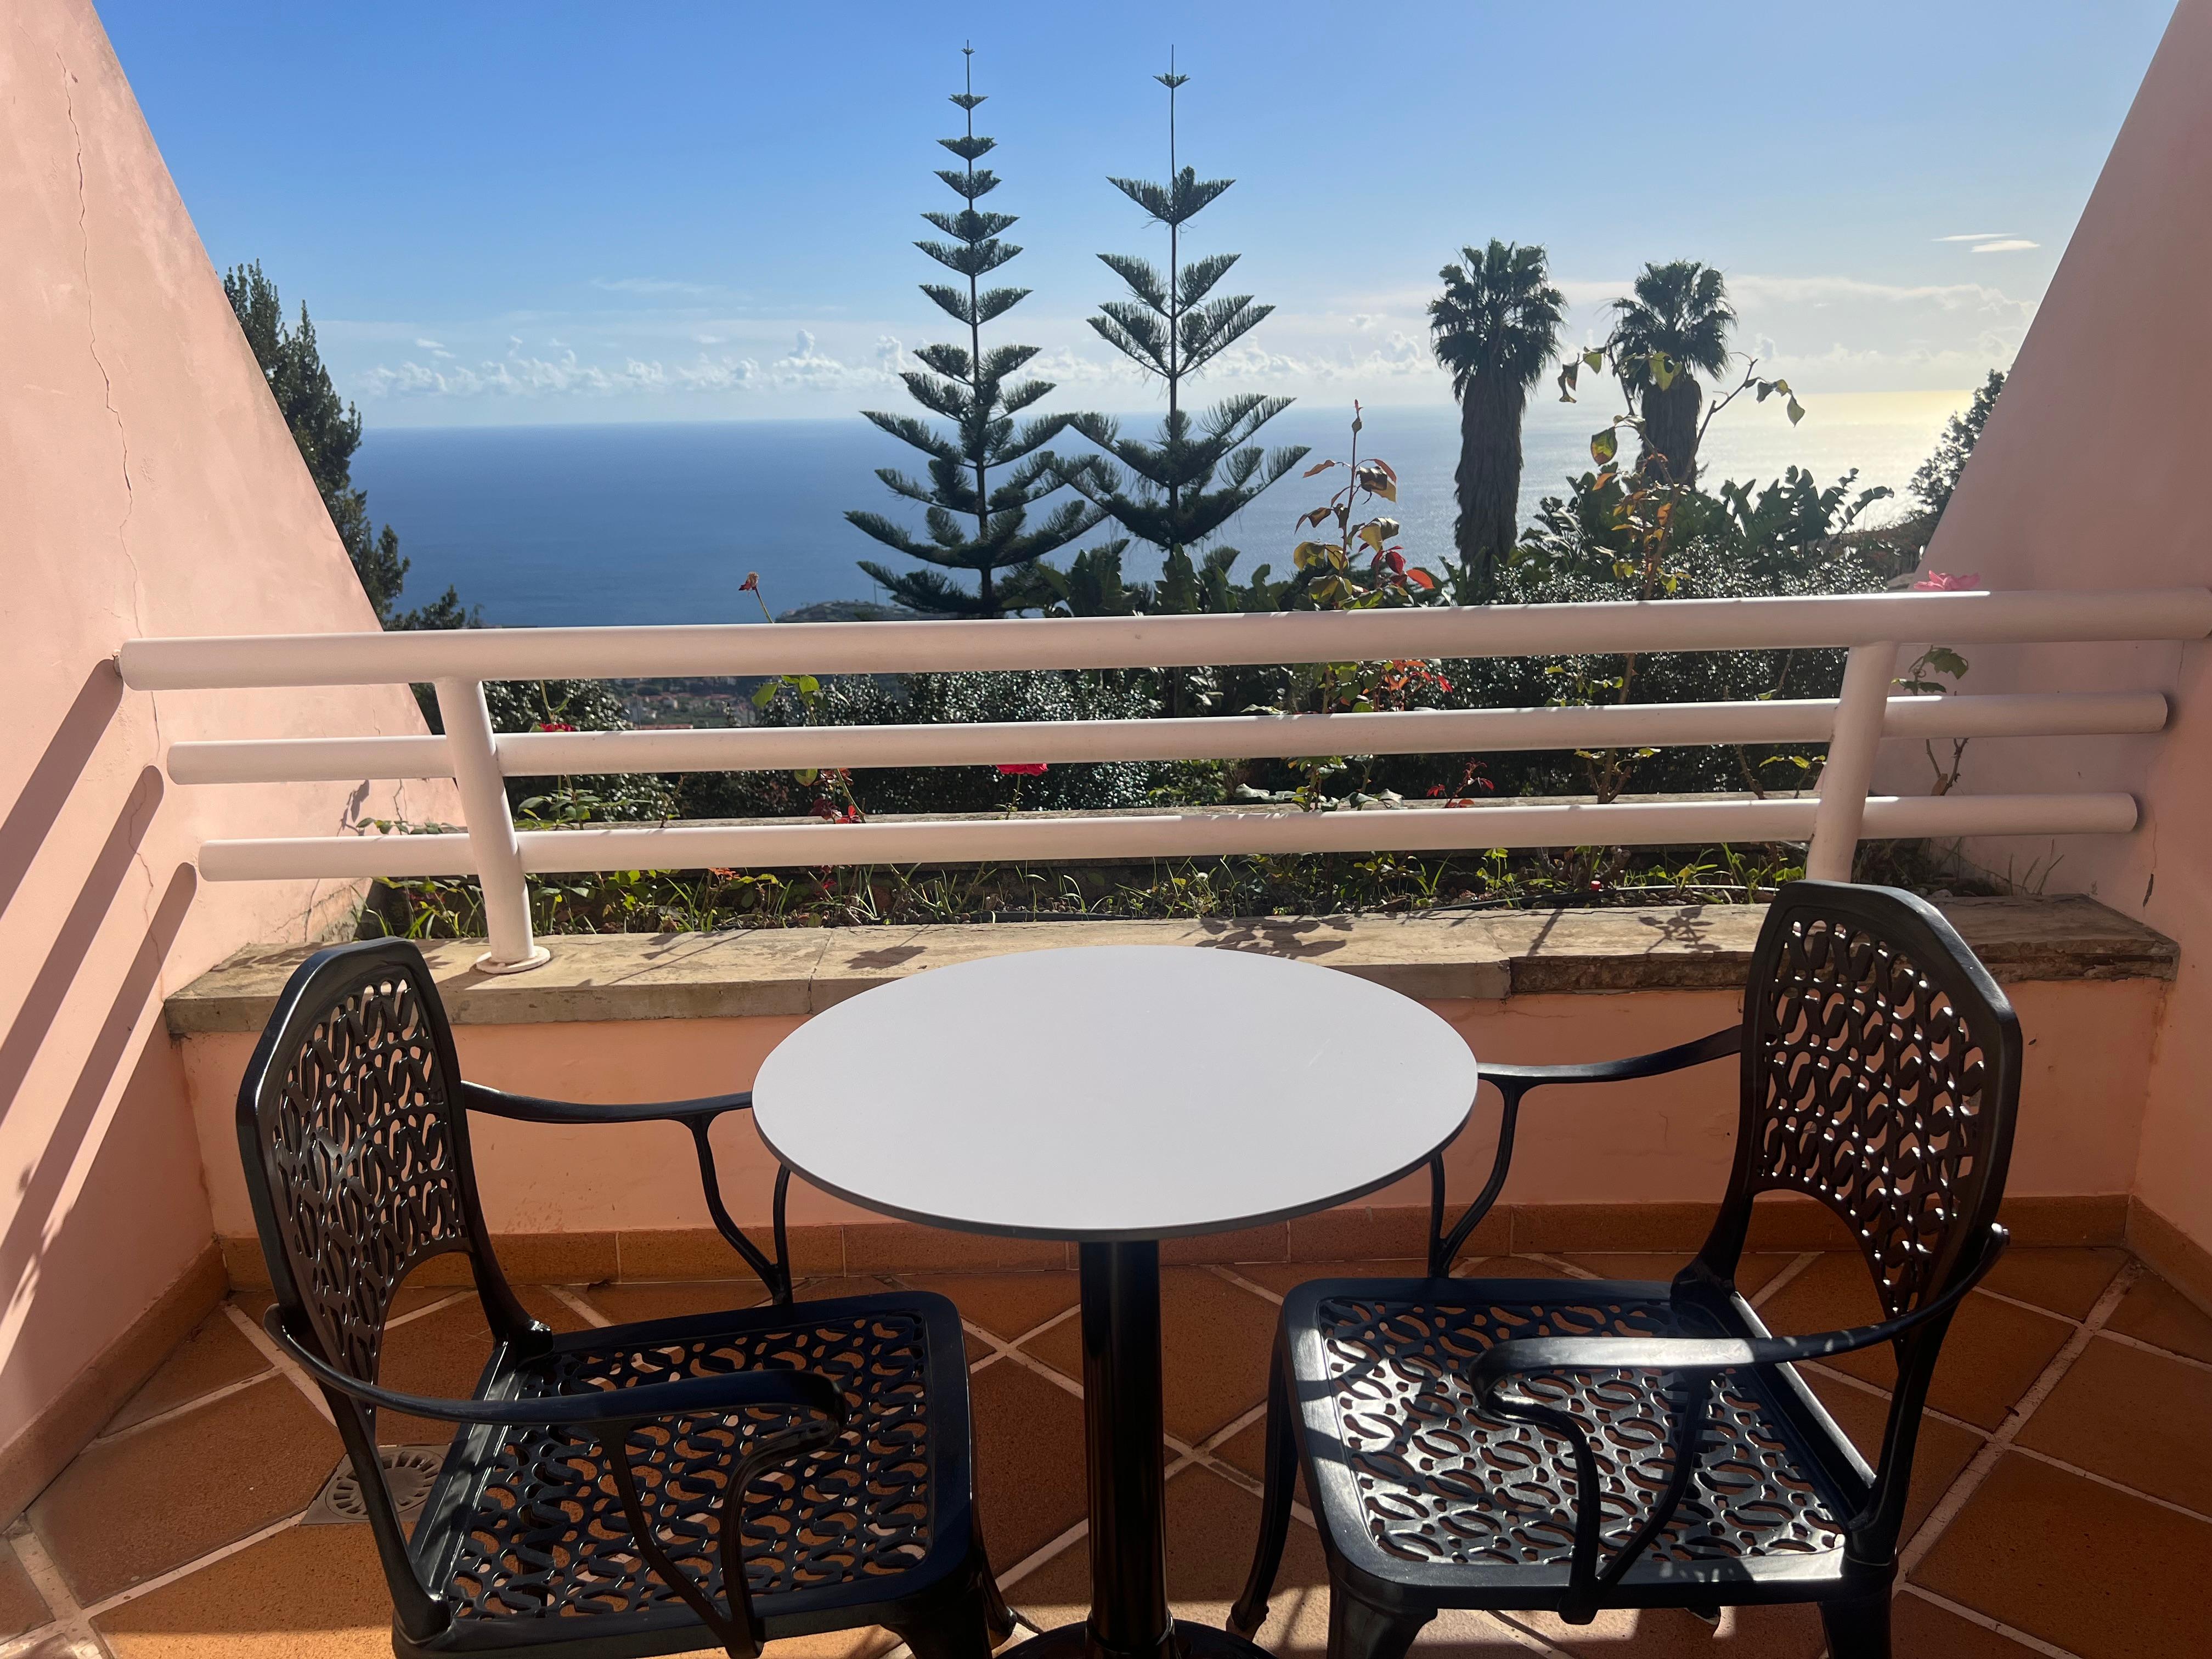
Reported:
(1942, 581)
(555, 726)
(1023, 769)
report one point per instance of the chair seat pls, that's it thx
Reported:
(1418, 1488)
(525, 1525)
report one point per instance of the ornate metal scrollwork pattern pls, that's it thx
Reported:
(362, 1163)
(1873, 1097)
(548, 1537)
(1439, 1482)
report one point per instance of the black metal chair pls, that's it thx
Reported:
(1572, 1445)
(627, 1490)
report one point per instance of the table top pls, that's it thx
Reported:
(1114, 1092)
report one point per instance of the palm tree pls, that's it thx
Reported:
(1681, 310)
(1495, 326)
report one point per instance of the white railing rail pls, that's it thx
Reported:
(1872, 626)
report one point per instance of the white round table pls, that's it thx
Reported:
(1116, 1095)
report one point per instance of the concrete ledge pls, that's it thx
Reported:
(1486, 956)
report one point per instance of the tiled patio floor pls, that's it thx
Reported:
(2061, 1504)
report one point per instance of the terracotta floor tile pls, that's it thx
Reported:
(1212, 1526)
(2066, 1281)
(2074, 1563)
(1218, 1339)
(2136, 1418)
(21, 1607)
(1992, 1355)
(1789, 1632)
(1215, 1339)
(1508, 1267)
(317, 1592)
(443, 1353)
(626, 1303)
(1030, 1480)
(216, 1354)
(1284, 1277)
(1008, 1305)
(405, 1300)
(2154, 1312)
(307, 1593)
(1941, 1457)
(1752, 1273)
(1919, 1627)
(126, 1509)
(828, 1288)
(1247, 1449)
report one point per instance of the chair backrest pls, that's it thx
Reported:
(1881, 1074)
(356, 1149)
(357, 1156)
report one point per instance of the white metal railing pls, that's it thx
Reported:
(478, 759)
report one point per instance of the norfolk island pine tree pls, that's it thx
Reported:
(970, 388)
(1200, 473)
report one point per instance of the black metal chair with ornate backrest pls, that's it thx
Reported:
(636, 1489)
(1572, 1445)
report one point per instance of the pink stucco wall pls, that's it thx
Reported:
(1663, 1140)
(2092, 474)
(150, 488)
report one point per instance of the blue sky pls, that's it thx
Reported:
(502, 213)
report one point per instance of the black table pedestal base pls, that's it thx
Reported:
(1191, 1642)
(1129, 1617)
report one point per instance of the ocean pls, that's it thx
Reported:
(563, 525)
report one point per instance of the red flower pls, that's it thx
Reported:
(555, 726)
(1941, 582)
(751, 583)
(835, 813)
(1022, 769)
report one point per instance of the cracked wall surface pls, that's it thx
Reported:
(2091, 474)
(150, 488)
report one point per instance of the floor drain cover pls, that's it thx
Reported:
(409, 1471)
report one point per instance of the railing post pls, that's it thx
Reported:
(498, 855)
(1849, 772)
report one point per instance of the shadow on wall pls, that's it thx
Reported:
(67, 1141)
(47, 789)
(111, 1049)
(73, 939)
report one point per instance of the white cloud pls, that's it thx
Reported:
(1592, 291)
(1363, 320)
(1949, 296)
(2007, 245)
(517, 374)
(606, 367)
(1973, 236)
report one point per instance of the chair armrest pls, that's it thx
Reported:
(696, 1396)
(697, 1116)
(1522, 1079)
(531, 1109)
(1512, 1082)
(1706, 1354)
